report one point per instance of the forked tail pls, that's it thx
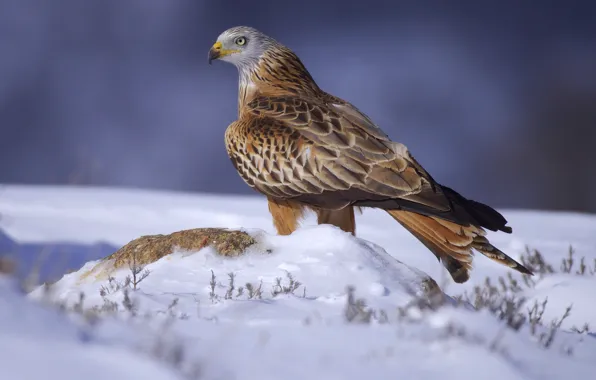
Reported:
(452, 243)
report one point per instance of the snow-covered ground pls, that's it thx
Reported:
(290, 336)
(38, 342)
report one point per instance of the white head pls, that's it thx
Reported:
(242, 46)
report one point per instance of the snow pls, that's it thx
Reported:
(330, 254)
(36, 342)
(563, 290)
(290, 336)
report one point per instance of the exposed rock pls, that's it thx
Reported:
(147, 249)
(151, 248)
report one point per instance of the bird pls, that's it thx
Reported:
(308, 150)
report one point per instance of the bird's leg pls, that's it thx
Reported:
(286, 215)
(343, 218)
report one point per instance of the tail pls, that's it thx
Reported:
(481, 214)
(454, 208)
(452, 243)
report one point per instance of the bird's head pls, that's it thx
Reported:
(241, 45)
(252, 51)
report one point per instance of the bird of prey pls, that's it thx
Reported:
(304, 148)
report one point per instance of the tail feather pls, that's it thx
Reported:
(482, 245)
(452, 244)
(458, 269)
(484, 215)
(454, 208)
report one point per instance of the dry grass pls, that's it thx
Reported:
(250, 291)
(502, 298)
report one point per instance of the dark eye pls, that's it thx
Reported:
(240, 41)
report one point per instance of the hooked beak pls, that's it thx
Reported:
(215, 51)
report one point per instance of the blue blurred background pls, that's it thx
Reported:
(495, 99)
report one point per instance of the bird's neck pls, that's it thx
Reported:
(279, 73)
(247, 87)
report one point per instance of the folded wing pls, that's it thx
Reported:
(330, 155)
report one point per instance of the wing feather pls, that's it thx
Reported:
(288, 147)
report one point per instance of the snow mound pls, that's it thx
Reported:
(316, 263)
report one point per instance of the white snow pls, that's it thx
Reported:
(298, 336)
(39, 342)
(324, 259)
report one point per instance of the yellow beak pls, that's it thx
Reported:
(217, 51)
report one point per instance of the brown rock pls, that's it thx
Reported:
(150, 248)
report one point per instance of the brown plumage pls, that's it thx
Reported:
(304, 148)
